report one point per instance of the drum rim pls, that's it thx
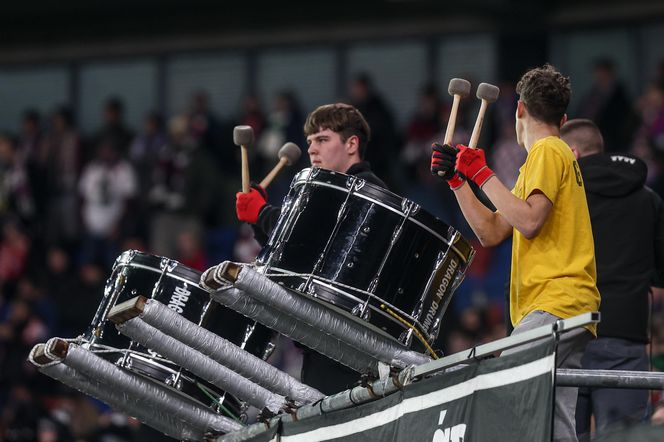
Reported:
(178, 271)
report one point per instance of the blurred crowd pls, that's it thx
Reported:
(70, 204)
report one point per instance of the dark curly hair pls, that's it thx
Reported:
(546, 93)
(341, 118)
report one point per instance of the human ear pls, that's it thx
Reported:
(352, 144)
(563, 120)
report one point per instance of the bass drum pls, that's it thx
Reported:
(177, 286)
(369, 252)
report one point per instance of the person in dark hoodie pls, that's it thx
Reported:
(337, 135)
(628, 227)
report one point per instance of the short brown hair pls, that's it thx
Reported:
(546, 94)
(584, 135)
(341, 118)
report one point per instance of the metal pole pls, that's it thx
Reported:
(201, 365)
(646, 380)
(340, 401)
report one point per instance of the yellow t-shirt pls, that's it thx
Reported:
(555, 271)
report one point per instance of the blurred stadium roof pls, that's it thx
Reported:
(42, 30)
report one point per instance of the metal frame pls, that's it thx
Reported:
(480, 351)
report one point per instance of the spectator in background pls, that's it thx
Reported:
(507, 155)
(144, 154)
(89, 293)
(648, 143)
(60, 157)
(428, 126)
(205, 129)
(252, 115)
(204, 125)
(30, 136)
(60, 284)
(27, 160)
(114, 129)
(384, 142)
(628, 251)
(14, 249)
(246, 247)
(190, 251)
(284, 124)
(107, 185)
(608, 105)
(16, 196)
(422, 129)
(147, 146)
(187, 190)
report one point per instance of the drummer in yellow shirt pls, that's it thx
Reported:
(553, 258)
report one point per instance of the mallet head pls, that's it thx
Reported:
(243, 135)
(488, 92)
(459, 86)
(290, 152)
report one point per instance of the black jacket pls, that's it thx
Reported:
(628, 228)
(319, 371)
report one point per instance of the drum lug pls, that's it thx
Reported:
(350, 181)
(269, 349)
(409, 208)
(359, 184)
(362, 311)
(417, 311)
(168, 264)
(373, 285)
(406, 337)
(244, 407)
(125, 362)
(175, 381)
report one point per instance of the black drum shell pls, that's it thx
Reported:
(177, 286)
(339, 238)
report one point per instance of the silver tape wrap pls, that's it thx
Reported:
(147, 393)
(201, 365)
(167, 423)
(327, 320)
(295, 329)
(226, 353)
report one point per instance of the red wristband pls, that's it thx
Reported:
(455, 182)
(482, 176)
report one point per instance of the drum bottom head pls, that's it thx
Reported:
(175, 378)
(369, 315)
(375, 313)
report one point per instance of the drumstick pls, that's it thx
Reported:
(243, 136)
(488, 93)
(288, 155)
(458, 89)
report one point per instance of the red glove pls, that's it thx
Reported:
(249, 205)
(472, 164)
(443, 158)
